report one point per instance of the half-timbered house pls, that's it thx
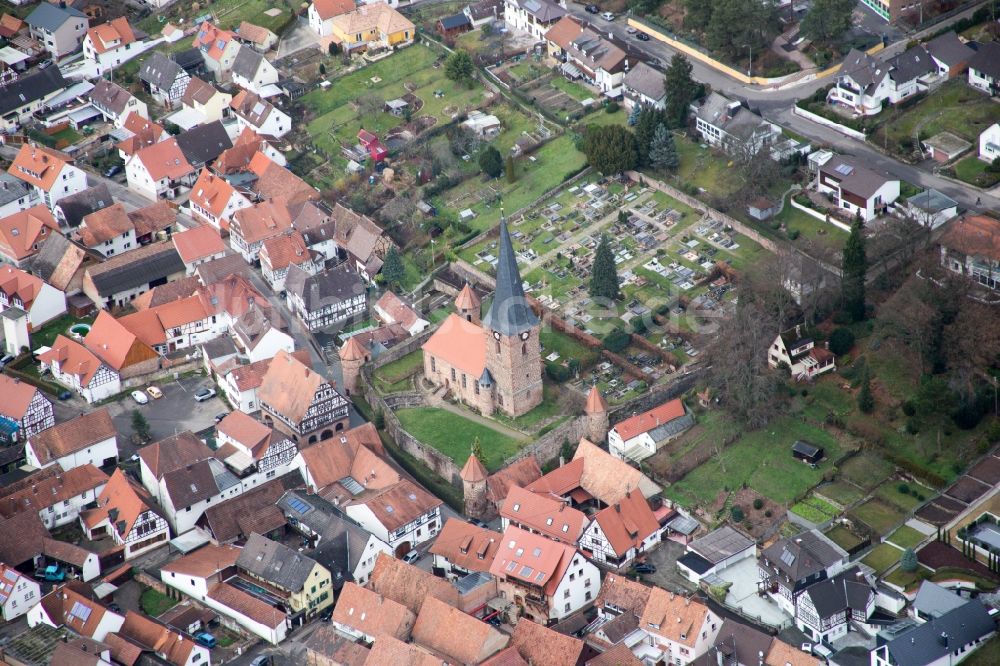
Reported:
(301, 402)
(123, 512)
(24, 411)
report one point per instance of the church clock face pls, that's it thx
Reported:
(496, 334)
(525, 335)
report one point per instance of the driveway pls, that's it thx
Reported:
(664, 558)
(297, 38)
(175, 412)
(743, 594)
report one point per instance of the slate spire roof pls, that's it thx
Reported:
(509, 314)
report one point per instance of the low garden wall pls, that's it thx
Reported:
(826, 122)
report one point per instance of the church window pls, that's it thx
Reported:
(524, 349)
(453, 377)
(498, 346)
(433, 364)
(476, 386)
(463, 380)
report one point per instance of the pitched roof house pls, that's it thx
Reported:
(254, 73)
(365, 614)
(856, 188)
(89, 439)
(621, 532)
(550, 579)
(141, 634)
(218, 47)
(460, 637)
(321, 13)
(300, 401)
(40, 301)
(70, 491)
(543, 515)
(254, 112)
(78, 368)
(120, 279)
(160, 170)
(788, 566)
(27, 94)
(111, 44)
(164, 79)
(124, 511)
(198, 245)
(73, 606)
(303, 584)
(642, 435)
(24, 411)
(23, 233)
(326, 298)
(970, 246)
(984, 68)
(463, 548)
(58, 28)
(50, 173)
(116, 103)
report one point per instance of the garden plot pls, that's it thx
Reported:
(558, 96)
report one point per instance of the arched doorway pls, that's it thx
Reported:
(403, 549)
(327, 434)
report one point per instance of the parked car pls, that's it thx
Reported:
(478, 523)
(203, 394)
(261, 660)
(220, 416)
(205, 638)
(112, 171)
(140, 397)
(53, 573)
(644, 568)
(630, 30)
(411, 556)
(154, 392)
(5, 360)
(593, 9)
(65, 395)
(608, 16)
(642, 37)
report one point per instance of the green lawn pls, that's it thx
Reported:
(843, 537)
(704, 168)
(543, 412)
(567, 348)
(47, 334)
(904, 501)
(841, 492)
(228, 13)
(155, 603)
(453, 435)
(866, 470)
(908, 579)
(763, 461)
(988, 654)
(972, 170)
(906, 537)
(574, 90)
(878, 515)
(810, 229)
(882, 557)
(954, 107)
(401, 368)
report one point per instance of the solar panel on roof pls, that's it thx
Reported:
(844, 169)
(80, 611)
(787, 557)
(299, 506)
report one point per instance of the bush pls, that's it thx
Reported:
(737, 514)
(912, 426)
(758, 504)
(616, 341)
(903, 488)
(557, 372)
(841, 341)
(768, 514)
(793, 234)
(909, 408)
(611, 107)
(638, 325)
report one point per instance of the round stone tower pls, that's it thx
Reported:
(468, 305)
(596, 411)
(485, 395)
(474, 488)
(352, 357)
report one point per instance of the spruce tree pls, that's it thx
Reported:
(140, 427)
(855, 267)
(662, 151)
(908, 561)
(680, 90)
(866, 401)
(604, 275)
(477, 451)
(645, 130)
(633, 116)
(393, 272)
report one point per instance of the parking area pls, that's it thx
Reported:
(664, 558)
(175, 412)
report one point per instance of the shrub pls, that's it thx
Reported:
(638, 325)
(758, 504)
(617, 340)
(793, 234)
(912, 426)
(841, 341)
(557, 372)
(903, 488)
(611, 107)
(768, 514)
(909, 408)
(737, 514)
(908, 561)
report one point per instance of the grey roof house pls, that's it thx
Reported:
(829, 607)
(728, 124)
(286, 572)
(942, 640)
(202, 144)
(164, 79)
(325, 299)
(71, 210)
(645, 86)
(949, 53)
(60, 29)
(27, 94)
(788, 566)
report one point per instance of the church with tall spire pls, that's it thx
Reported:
(493, 364)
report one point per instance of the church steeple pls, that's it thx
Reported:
(509, 314)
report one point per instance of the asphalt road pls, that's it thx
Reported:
(776, 105)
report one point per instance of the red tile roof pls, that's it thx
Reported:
(74, 435)
(21, 233)
(540, 513)
(38, 165)
(246, 605)
(198, 243)
(466, 545)
(164, 160)
(111, 35)
(73, 358)
(115, 344)
(17, 397)
(532, 558)
(459, 343)
(627, 523)
(327, 9)
(642, 423)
